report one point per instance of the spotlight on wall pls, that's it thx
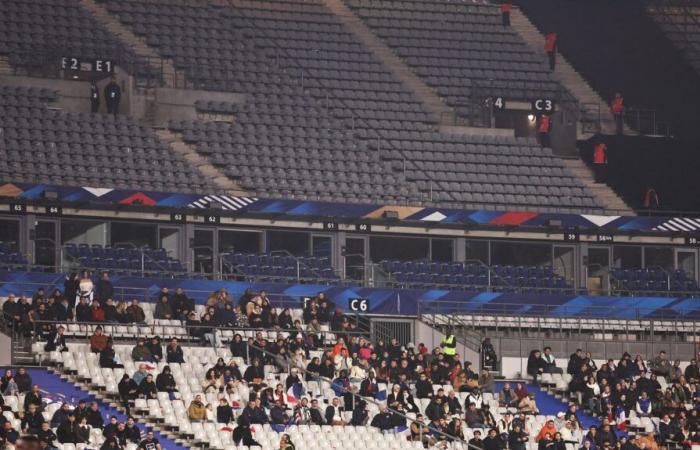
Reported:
(531, 117)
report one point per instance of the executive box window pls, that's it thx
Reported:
(234, 241)
(477, 251)
(627, 257)
(125, 234)
(520, 254)
(83, 232)
(441, 250)
(9, 234)
(655, 257)
(293, 242)
(397, 248)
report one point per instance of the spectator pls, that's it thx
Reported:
(104, 290)
(56, 341)
(550, 47)
(94, 416)
(174, 352)
(23, 380)
(507, 396)
(196, 411)
(472, 417)
(98, 341)
(147, 388)
(317, 416)
(60, 416)
(47, 435)
(94, 97)
(643, 406)
(32, 420)
(165, 382)
(383, 420)
(156, 349)
(140, 352)
(493, 441)
(97, 313)
(243, 435)
(600, 161)
(136, 312)
(34, 397)
(108, 357)
(517, 438)
(150, 442)
(286, 443)
(528, 404)
(550, 364)
(68, 432)
(617, 108)
(505, 13)
(113, 94)
(163, 310)
(476, 442)
(224, 412)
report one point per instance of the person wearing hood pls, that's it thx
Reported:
(547, 428)
(165, 382)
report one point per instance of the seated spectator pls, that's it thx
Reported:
(476, 442)
(493, 441)
(60, 416)
(369, 387)
(8, 385)
(535, 364)
(136, 312)
(424, 388)
(108, 357)
(507, 396)
(174, 353)
(334, 413)
(98, 341)
(547, 429)
(278, 415)
(23, 380)
(317, 416)
(149, 443)
(165, 382)
(452, 403)
(472, 417)
(196, 411)
(47, 435)
(550, 364)
(156, 348)
(94, 416)
(68, 432)
(140, 352)
(34, 397)
(82, 311)
(163, 311)
(147, 388)
(528, 404)
(643, 406)
(224, 412)
(360, 416)
(383, 420)
(420, 432)
(56, 341)
(97, 313)
(32, 420)
(517, 438)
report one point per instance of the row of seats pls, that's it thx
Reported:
(62, 143)
(653, 281)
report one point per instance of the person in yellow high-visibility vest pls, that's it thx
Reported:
(449, 346)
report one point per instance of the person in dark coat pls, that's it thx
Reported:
(165, 382)
(94, 97)
(243, 434)
(113, 95)
(174, 353)
(383, 420)
(104, 289)
(68, 432)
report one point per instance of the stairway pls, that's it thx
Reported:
(612, 202)
(114, 26)
(565, 73)
(207, 169)
(422, 92)
(72, 390)
(5, 68)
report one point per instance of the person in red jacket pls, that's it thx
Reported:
(617, 108)
(600, 161)
(550, 47)
(544, 127)
(651, 199)
(505, 13)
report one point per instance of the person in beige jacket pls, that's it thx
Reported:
(197, 411)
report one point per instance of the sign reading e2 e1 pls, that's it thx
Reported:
(358, 305)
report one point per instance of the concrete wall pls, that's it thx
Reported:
(5, 350)
(178, 104)
(432, 338)
(75, 95)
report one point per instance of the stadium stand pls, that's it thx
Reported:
(35, 35)
(358, 126)
(680, 20)
(460, 49)
(96, 150)
(596, 38)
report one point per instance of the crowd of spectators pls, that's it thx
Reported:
(39, 429)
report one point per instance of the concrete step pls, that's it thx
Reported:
(207, 169)
(423, 93)
(602, 192)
